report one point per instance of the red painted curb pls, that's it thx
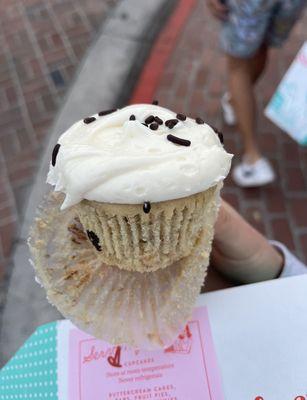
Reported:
(160, 53)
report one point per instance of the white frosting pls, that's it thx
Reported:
(116, 160)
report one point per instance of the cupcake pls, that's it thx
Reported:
(128, 230)
(143, 181)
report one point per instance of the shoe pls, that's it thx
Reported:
(252, 175)
(227, 109)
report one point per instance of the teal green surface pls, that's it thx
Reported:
(32, 372)
(277, 102)
(304, 142)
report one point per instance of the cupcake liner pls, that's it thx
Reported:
(145, 310)
(124, 235)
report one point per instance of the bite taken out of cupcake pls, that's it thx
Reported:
(143, 183)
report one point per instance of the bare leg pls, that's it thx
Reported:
(243, 73)
(258, 63)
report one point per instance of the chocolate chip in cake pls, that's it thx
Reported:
(94, 239)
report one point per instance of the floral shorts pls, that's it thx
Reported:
(254, 22)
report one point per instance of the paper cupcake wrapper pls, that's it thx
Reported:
(123, 235)
(145, 310)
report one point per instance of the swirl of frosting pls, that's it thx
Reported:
(115, 159)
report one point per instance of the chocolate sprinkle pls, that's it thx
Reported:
(170, 123)
(181, 117)
(221, 137)
(55, 153)
(132, 117)
(199, 121)
(155, 102)
(143, 123)
(177, 140)
(106, 112)
(88, 120)
(94, 239)
(149, 119)
(159, 120)
(219, 134)
(154, 126)
(146, 207)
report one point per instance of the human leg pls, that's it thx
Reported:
(240, 83)
(258, 63)
(254, 170)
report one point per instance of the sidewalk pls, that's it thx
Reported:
(42, 44)
(193, 83)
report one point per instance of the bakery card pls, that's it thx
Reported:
(185, 370)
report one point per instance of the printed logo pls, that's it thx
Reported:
(183, 344)
(115, 360)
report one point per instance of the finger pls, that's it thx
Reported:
(234, 236)
(240, 251)
(224, 218)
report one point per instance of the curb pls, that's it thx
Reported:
(144, 52)
(161, 52)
